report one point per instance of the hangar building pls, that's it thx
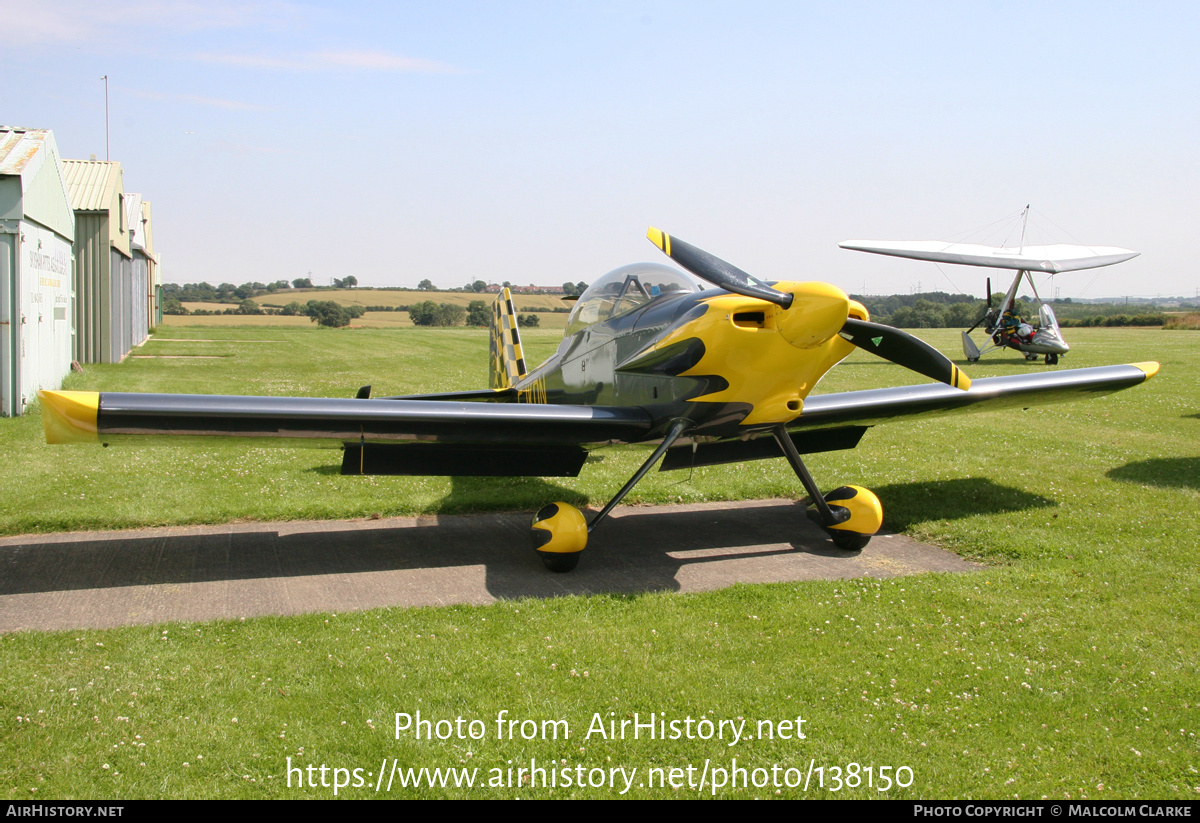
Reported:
(111, 314)
(37, 228)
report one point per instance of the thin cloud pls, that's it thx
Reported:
(71, 21)
(216, 102)
(334, 60)
(382, 61)
(245, 149)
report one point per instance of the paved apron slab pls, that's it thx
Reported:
(102, 579)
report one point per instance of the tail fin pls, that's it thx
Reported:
(508, 361)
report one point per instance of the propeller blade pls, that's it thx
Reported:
(902, 348)
(987, 313)
(715, 270)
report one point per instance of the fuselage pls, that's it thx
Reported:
(729, 364)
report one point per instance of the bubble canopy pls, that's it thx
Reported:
(623, 290)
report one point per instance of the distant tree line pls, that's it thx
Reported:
(938, 310)
(476, 313)
(927, 310)
(229, 293)
(909, 311)
(1114, 320)
(247, 306)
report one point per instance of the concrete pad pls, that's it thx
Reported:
(102, 579)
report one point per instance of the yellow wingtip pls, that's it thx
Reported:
(70, 416)
(1150, 367)
(660, 238)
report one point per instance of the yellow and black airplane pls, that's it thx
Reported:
(650, 355)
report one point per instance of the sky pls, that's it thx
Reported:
(535, 142)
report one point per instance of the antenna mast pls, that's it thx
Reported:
(107, 151)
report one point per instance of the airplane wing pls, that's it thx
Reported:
(831, 422)
(873, 406)
(1061, 257)
(437, 437)
(89, 417)
(380, 436)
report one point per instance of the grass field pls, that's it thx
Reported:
(1067, 669)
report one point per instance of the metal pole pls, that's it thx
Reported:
(107, 152)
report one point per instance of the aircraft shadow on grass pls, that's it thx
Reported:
(1164, 472)
(912, 503)
(642, 550)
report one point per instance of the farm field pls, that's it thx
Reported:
(1066, 669)
(370, 320)
(406, 297)
(547, 307)
(390, 297)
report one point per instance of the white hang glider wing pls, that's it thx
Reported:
(1057, 258)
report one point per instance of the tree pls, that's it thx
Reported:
(432, 314)
(327, 313)
(425, 285)
(450, 314)
(292, 309)
(962, 315)
(302, 283)
(569, 289)
(423, 314)
(350, 281)
(248, 306)
(478, 313)
(479, 286)
(530, 320)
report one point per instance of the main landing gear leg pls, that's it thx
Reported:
(560, 531)
(850, 515)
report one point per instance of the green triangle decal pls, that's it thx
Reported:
(876, 340)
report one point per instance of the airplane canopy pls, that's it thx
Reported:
(625, 289)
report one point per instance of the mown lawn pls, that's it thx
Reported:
(1068, 668)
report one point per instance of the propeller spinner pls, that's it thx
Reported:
(887, 342)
